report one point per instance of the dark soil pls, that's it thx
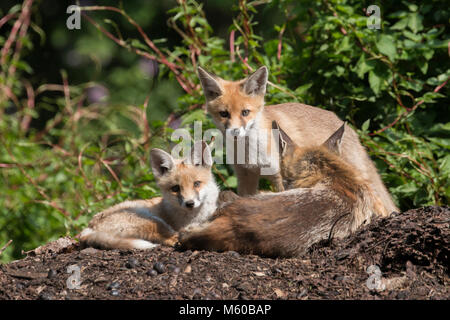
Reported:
(411, 250)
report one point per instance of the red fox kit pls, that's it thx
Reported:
(189, 196)
(237, 107)
(328, 199)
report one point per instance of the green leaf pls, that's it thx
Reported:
(232, 181)
(400, 25)
(444, 168)
(375, 82)
(386, 45)
(415, 22)
(138, 44)
(197, 115)
(303, 89)
(430, 97)
(365, 125)
(363, 66)
(412, 7)
(423, 67)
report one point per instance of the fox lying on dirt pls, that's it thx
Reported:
(238, 107)
(328, 198)
(189, 197)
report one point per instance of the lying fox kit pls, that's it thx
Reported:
(189, 197)
(237, 108)
(328, 198)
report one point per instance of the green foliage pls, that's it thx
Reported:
(65, 156)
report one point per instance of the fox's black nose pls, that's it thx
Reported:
(190, 203)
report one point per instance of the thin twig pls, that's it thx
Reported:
(187, 85)
(269, 82)
(6, 18)
(280, 42)
(31, 180)
(439, 87)
(232, 45)
(30, 105)
(5, 246)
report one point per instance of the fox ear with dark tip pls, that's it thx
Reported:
(255, 84)
(161, 162)
(334, 142)
(284, 142)
(210, 84)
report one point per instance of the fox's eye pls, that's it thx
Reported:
(197, 184)
(224, 114)
(245, 112)
(175, 188)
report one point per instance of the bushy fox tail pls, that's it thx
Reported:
(104, 240)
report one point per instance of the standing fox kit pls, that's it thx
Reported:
(189, 196)
(237, 107)
(327, 198)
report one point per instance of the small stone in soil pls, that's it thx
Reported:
(234, 254)
(214, 295)
(20, 286)
(302, 294)
(159, 266)
(152, 272)
(403, 294)
(131, 263)
(51, 274)
(275, 270)
(45, 296)
(115, 292)
(113, 285)
(197, 293)
(173, 269)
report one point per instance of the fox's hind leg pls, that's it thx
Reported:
(151, 229)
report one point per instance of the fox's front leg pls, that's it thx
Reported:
(171, 241)
(277, 182)
(248, 180)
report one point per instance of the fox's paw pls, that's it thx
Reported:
(172, 241)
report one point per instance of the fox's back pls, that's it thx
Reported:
(307, 125)
(278, 225)
(311, 126)
(125, 213)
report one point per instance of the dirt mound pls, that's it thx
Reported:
(405, 256)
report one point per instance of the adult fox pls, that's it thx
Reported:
(237, 107)
(327, 198)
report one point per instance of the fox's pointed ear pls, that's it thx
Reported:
(285, 143)
(255, 84)
(201, 154)
(161, 162)
(210, 84)
(334, 142)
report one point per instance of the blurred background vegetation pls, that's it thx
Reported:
(80, 109)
